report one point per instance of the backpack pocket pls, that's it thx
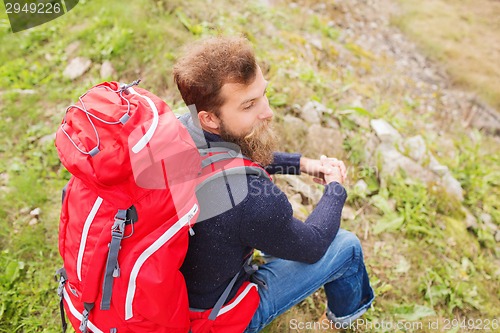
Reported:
(233, 317)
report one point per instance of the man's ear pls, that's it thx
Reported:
(209, 121)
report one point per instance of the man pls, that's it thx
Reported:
(221, 79)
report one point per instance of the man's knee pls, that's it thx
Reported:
(346, 248)
(346, 239)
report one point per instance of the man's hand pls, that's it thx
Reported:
(324, 170)
(335, 170)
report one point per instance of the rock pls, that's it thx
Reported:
(492, 227)
(332, 122)
(348, 213)
(325, 141)
(485, 218)
(385, 132)
(19, 91)
(77, 67)
(72, 48)
(316, 42)
(392, 160)
(436, 167)
(452, 186)
(292, 129)
(299, 210)
(24, 210)
(416, 148)
(371, 146)
(33, 221)
(480, 115)
(403, 266)
(46, 139)
(298, 185)
(470, 220)
(35, 212)
(497, 236)
(361, 187)
(4, 177)
(107, 70)
(361, 121)
(312, 112)
(294, 122)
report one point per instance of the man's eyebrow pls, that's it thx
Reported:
(253, 98)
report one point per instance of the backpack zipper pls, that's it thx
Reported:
(85, 233)
(155, 246)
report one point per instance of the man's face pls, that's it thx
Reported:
(245, 119)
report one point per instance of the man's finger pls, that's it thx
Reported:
(343, 169)
(319, 181)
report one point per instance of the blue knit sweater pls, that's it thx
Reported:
(261, 217)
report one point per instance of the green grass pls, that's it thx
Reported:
(424, 263)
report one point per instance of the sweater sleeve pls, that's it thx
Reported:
(285, 163)
(268, 223)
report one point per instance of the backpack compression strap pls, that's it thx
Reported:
(122, 218)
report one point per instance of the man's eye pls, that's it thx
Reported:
(248, 106)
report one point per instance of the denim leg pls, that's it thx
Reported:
(341, 270)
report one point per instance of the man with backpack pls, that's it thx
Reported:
(225, 90)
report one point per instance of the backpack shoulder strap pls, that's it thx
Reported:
(220, 162)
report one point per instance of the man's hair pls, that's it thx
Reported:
(209, 64)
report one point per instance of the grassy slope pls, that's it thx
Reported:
(463, 36)
(429, 268)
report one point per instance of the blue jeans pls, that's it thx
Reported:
(341, 271)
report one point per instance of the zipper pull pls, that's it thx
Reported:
(191, 231)
(116, 271)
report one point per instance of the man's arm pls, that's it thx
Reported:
(285, 163)
(268, 223)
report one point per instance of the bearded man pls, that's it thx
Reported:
(226, 90)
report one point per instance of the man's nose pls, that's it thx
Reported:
(267, 112)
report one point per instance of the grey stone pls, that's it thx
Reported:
(325, 141)
(4, 177)
(348, 213)
(77, 67)
(35, 212)
(19, 91)
(316, 42)
(491, 227)
(72, 48)
(107, 70)
(298, 185)
(416, 148)
(486, 218)
(392, 160)
(452, 186)
(371, 145)
(312, 112)
(24, 210)
(361, 187)
(361, 121)
(385, 132)
(436, 167)
(332, 122)
(299, 210)
(47, 138)
(470, 220)
(294, 122)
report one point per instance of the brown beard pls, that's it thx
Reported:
(258, 145)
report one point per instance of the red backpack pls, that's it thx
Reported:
(127, 213)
